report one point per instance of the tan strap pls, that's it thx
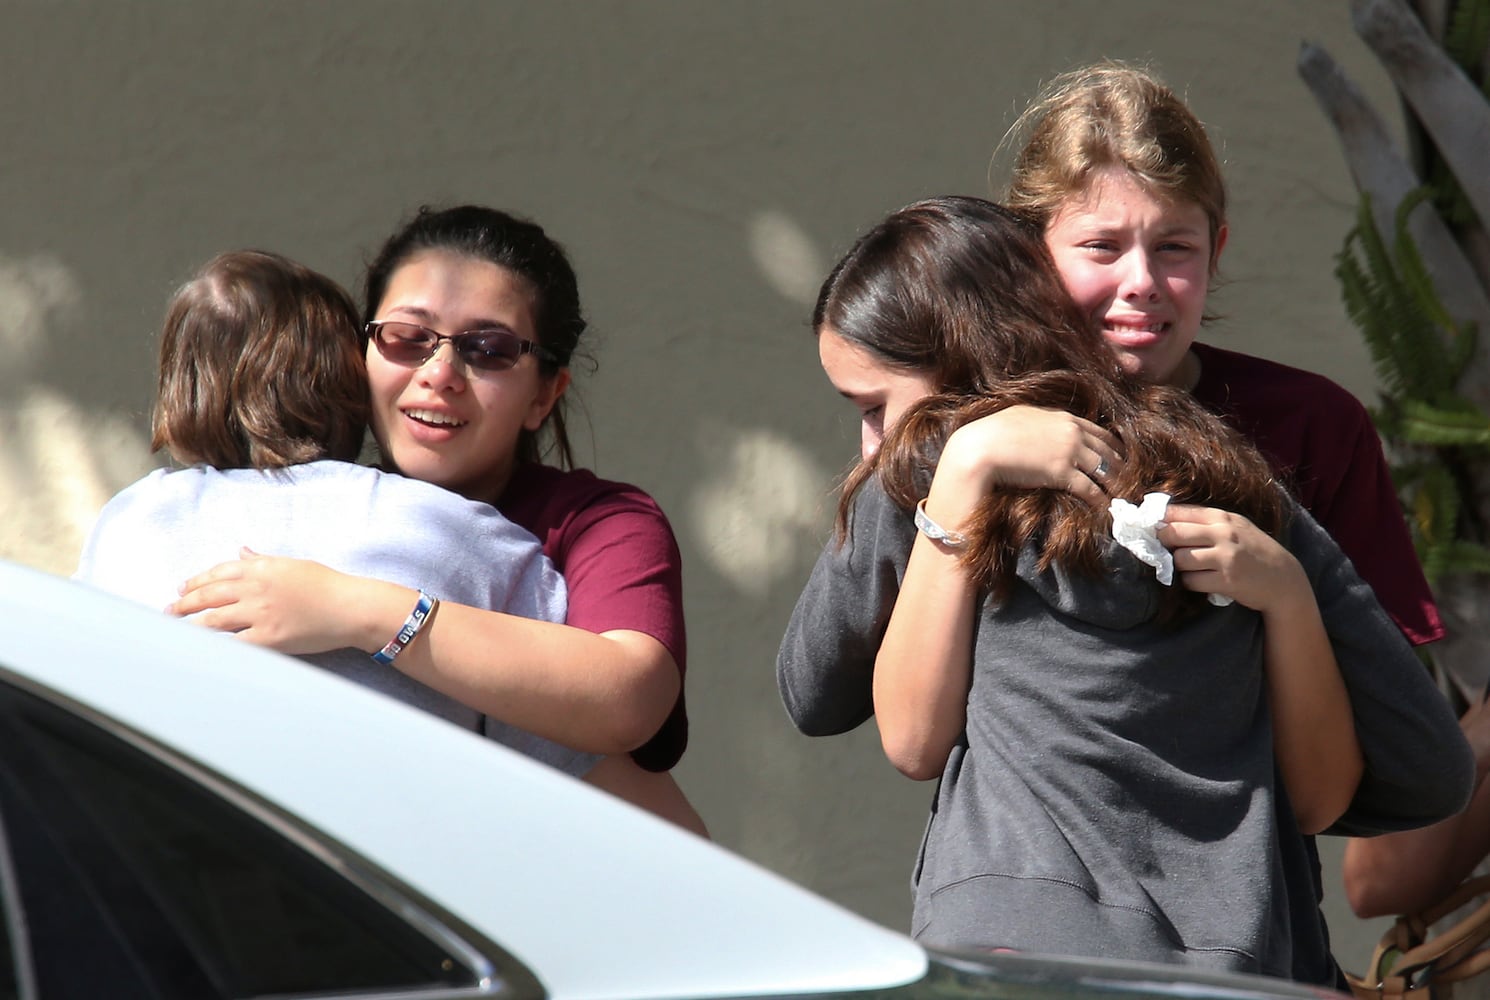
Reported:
(1449, 957)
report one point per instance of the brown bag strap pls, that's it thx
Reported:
(1449, 957)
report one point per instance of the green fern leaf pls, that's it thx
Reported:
(1464, 557)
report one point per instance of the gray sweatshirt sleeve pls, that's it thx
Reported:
(1418, 767)
(825, 668)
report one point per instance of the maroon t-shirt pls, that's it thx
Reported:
(1320, 441)
(619, 559)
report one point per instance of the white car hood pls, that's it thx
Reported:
(598, 899)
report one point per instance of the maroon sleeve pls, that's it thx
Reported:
(623, 570)
(620, 561)
(1354, 499)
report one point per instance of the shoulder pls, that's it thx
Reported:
(1311, 430)
(161, 489)
(546, 501)
(1232, 381)
(871, 511)
(379, 491)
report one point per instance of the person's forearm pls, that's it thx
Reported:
(601, 693)
(922, 674)
(1314, 735)
(924, 667)
(1409, 871)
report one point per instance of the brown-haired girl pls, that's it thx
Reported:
(1109, 751)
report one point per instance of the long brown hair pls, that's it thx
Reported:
(964, 290)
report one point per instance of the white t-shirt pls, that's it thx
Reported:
(172, 525)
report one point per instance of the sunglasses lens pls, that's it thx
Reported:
(413, 345)
(492, 351)
(403, 343)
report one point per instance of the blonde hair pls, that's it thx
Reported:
(1113, 115)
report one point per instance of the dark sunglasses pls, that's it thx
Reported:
(484, 350)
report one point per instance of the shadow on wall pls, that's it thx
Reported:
(58, 464)
(830, 814)
(758, 504)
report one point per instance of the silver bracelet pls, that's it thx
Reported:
(934, 531)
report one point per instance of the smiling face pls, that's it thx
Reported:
(880, 393)
(442, 422)
(1139, 267)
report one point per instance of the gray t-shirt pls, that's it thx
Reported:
(1114, 793)
(171, 525)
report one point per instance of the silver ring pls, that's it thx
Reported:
(1100, 472)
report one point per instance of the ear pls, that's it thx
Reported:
(1221, 235)
(549, 392)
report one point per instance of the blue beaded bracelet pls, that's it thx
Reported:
(422, 610)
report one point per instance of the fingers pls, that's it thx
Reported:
(1184, 513)
(1087, 490)
(1029, 447)
(204, 596)
(220, 572)
(1099, 455)
(1105, 440)
(1199, 538)
(1096, 464)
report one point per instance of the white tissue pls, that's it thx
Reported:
(1135, 529)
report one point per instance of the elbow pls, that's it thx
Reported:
(1325, 809)
(635, 717)
(817, 712)
(1312, 822)
(917, 759)
(813, 725)
(918, 772)
(819, 719)
(1369, 876)
(636, 705)
(1360, 893)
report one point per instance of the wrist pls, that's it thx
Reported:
(948, 513)
(384, 609)
(965, 460)
(1289, 595)
(424, 607)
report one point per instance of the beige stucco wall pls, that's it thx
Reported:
(704, 162)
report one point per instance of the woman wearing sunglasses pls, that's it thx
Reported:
(472, 319)
(261, 403)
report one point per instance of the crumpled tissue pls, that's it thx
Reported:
(1135, 528)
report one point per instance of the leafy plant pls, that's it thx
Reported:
(1420, 353)
(1414, 273)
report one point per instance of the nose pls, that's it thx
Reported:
(869, 440)
(441, 370)
(1139, 281)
